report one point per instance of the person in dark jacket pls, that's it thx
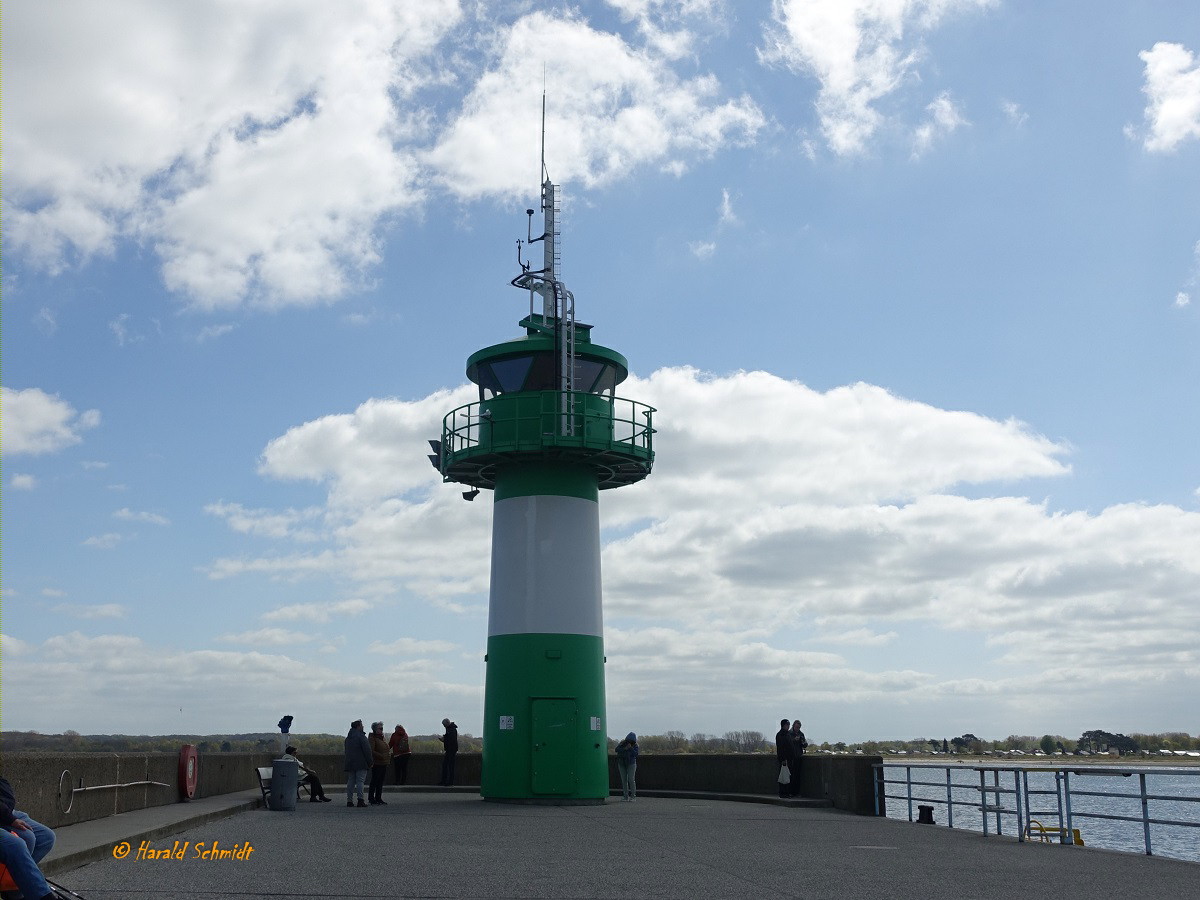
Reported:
(23, 844)
(358, 762)
(784, 753)
(799, 745)
(627, 754)
(449, 752)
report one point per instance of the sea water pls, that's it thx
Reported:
(1165, 840)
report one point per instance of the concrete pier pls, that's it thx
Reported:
(452, 844)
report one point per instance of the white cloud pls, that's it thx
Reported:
(53, 592)
(944, 119)
(1013, 111)
(104, 541)
(92, 610)
(45, 321)
(611, 108)
(1184, 298)
(781, 523)
(838, 521)
(702, 249)
(388, 517)
(405, 647)
(268, 637)
(859, 50)
(141, 688)
(727, 215)
(318, 613)
(212, 332)
(369, 454)
(857, 637)
(126, 514)
(36, 422)
(261, 152)
(1172, 84)
(121, 333)
(857, 442)
(267, 523)
(11, 646)
(255, 148)
(22, 482)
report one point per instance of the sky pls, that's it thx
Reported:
(914, 286)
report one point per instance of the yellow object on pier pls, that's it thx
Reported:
(1051, 835)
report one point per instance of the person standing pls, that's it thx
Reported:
(783, 754)
(23, 844)
(627, 754)
(449, 752)
(401, 751)
(358, 761)
(381, 755)
(799, 745)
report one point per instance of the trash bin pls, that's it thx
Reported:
(285, 774)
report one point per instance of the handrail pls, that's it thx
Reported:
(989, 799)
(67, 790)
(627, 424)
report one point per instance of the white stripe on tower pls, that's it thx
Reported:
(545, 566)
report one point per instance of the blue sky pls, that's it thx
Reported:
(915, 286)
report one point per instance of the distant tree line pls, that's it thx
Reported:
(262, 742)
(1090, 742)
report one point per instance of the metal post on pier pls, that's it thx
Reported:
(996, 801)
(949, 801)
(1058, 795)
(1145, 813)
(908, 780)
(983, 801)
(1065, 835)
(1017, 794)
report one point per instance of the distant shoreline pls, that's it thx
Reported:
(1065, 761)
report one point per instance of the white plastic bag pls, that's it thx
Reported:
(785, 774)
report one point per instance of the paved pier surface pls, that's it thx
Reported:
(454, 845)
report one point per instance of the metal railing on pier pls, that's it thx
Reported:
(1017, 807)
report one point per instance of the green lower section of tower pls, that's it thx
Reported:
(544, 730)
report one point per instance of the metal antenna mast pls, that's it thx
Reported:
(558, 304)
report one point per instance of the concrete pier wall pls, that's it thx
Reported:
(51, 797)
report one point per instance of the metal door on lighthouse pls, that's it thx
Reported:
(554, 745)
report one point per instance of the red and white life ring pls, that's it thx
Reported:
(189, 771)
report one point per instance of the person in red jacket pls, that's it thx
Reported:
(401, 751)
(23, 843)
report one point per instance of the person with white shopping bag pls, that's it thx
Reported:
(783, 756)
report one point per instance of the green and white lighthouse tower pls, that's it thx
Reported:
(547, 435)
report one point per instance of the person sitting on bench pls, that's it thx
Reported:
(23, 843)
(316, 793)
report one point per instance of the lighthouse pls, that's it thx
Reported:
(546, 436)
